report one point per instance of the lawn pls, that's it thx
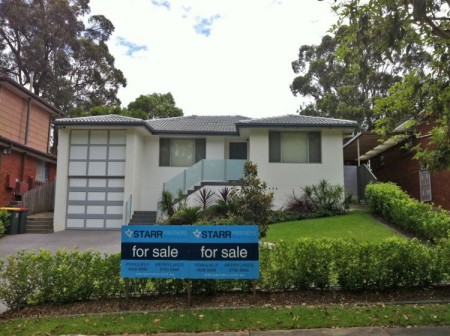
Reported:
(357, 224)
(252, 318)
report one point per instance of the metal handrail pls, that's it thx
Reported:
(128, 209)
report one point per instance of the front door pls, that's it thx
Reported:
(238, 150)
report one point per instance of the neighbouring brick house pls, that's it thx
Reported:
(392, 161)
(25, 131)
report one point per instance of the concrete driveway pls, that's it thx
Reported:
(104, 241)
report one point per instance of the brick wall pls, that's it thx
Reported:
(400, 167)
(11, 164)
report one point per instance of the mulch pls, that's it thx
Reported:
(238, 300)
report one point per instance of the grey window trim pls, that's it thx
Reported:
(166, 162)
(275, 140)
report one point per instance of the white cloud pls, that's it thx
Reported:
(241, 64)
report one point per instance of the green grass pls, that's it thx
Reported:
(357, 224)
(234, 319)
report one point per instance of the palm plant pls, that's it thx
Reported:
(205, 197)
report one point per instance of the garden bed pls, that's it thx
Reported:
(238, 299)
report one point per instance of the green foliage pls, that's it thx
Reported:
(387, 264)
(326, 199)
(422, 219)
(338, 92)
(321, 263)
(253, 202)
(185, 215)
(66, 276)
(167, 203)
(70, 276)
(62, 49)
(4, 221)
(155, 105)
(417, 34)
(357, 224)
(205, 197)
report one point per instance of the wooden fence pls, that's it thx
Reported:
(40, 199)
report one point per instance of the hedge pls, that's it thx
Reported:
(421, 219)
(70, 276)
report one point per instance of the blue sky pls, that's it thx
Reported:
(217, 57)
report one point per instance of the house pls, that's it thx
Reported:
(393, 161)
(112, 166)
(25, 132)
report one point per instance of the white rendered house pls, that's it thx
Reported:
(112, 166)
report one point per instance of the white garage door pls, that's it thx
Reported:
(96, 179)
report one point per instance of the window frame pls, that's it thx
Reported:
(165, 151)
(275, 147)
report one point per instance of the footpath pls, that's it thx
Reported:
(359, 331)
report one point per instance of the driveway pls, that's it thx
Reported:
(104, 241)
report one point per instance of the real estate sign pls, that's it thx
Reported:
(190, 252)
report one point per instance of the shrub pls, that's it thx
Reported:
(387, 264)
(4, 221)
(205, 197)
(253, 202)
(167, 203)
(69, 276)
(326, 199)
(299, 204)
(421, 219)
(313, 263)
(187, 215)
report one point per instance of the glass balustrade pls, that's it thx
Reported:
(206, 171)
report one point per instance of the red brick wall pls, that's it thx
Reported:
(400, 167)
(11, 164)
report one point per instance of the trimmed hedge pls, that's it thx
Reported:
(70, 276)
(421, 219)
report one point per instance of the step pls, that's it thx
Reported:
(39, 220)
(143, 220)
(39, 230)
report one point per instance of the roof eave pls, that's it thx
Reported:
(275, 125)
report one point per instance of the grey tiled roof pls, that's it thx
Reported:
(107, 120)
(196, 125)
(206, 125)
(295, 120)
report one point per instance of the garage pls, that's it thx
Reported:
(96, 179)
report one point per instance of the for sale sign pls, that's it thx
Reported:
(190, 252)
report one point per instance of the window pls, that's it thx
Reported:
(295, 147)
(42, 171)
(181, 152)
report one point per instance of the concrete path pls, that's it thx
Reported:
(104, 241)
(360, 331)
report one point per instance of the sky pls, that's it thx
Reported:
(216, 57)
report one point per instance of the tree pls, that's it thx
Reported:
(253, 202)
(155, 105)
(47, 43)
(397, 27)
(336, 90)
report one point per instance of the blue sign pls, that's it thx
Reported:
(190, 252)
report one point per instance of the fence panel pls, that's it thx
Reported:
(40, 199)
